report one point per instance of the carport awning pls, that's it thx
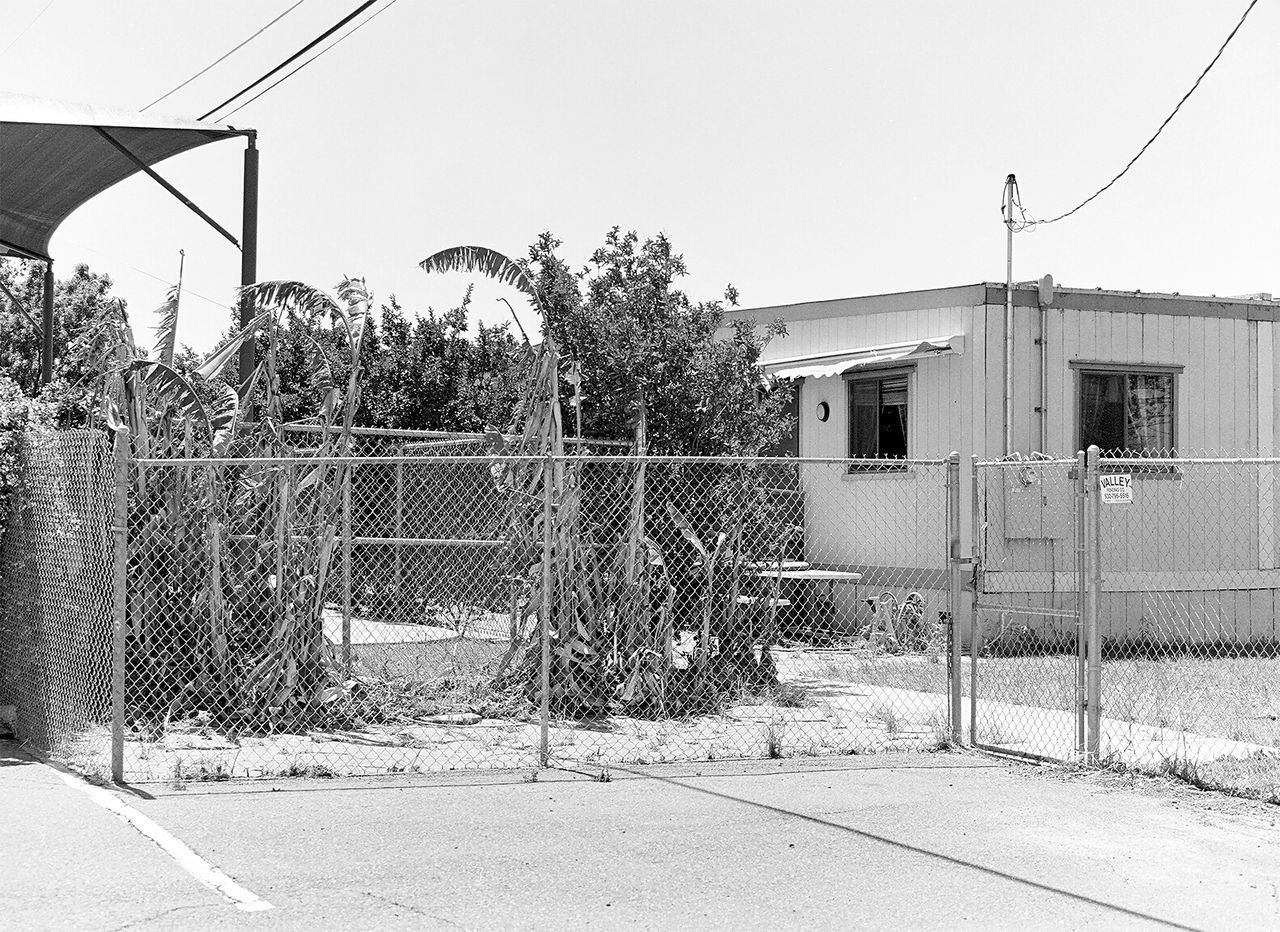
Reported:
(842, 361)
(54, 157)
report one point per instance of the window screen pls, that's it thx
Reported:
(878, 416)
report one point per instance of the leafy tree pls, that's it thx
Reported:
(80, 302)
(633, 331)
(420, 372)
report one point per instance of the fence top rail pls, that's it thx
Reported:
(409, 433)
(1018, 464)
(1189, 460)
(886, 465)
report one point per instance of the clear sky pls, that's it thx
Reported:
(799, 150)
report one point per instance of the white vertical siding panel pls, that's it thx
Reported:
(1057, 376)
(995, 381)
(1026, 388)
(1194, 440)
(976, 348)
(1210, 401)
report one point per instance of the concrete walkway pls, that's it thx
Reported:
(938, 841)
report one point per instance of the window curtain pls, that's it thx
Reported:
(1149, 414)
(1102, 411)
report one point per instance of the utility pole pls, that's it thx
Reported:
(1006, 210)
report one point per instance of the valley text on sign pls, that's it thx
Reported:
(1117, 489)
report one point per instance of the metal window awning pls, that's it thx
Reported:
(841, 362)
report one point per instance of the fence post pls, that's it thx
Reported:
(1093, 548)
(397, 586)
(544, 622)
(976, 530)
(1082, 595)
(955, 565)
(346, 570)
(119, 598)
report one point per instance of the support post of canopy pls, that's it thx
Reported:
(46, 327)
(249, 255)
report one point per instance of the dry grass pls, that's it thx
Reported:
(886, 715)
(1231, 698)
(1235, 698)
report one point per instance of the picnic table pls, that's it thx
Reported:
(773, 566)
(798, 572)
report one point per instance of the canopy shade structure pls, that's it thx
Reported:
(842, 362)
(56, 155)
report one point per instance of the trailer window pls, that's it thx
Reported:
(1127, 413)
(878, 416)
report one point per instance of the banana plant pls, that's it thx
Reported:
(209, 611)
(569, 595)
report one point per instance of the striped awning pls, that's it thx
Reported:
(841, 362)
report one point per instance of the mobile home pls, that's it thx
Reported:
(917, 375)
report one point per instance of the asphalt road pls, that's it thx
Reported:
(915, 842)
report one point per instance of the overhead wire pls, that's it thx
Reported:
(286, 77)
(292, 58)
(186, 290)
(1032, 223)
(27, 28)
(1013, 201)
(223, 57)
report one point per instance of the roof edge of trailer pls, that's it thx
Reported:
(1026, 295)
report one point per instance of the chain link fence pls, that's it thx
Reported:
(1189, 575)
(414, 608)
(1026, 680)
(426, 611)
(56, 615)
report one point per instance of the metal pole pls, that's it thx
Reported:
(1008, 316)
(953, 592)
(398, 567)
(249, 254)
(119, 601)
(544, 626)
(1044, 378)
(1092, 632)
(346, 570)
(975, 529)
(1082, 595)
(46, 327)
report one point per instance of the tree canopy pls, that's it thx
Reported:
(635, 334)
(622, 320)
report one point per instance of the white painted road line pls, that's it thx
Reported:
(187, 859)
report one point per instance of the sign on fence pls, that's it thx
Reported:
(1117, 489)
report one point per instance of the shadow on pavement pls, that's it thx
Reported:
(914, 849)
(12, 755)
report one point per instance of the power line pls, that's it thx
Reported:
(164, 281)
(286, 77)
(224, 57)
(14, 40)
(296, 55)
(1157, 133)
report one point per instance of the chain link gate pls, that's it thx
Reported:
(1027, 676)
